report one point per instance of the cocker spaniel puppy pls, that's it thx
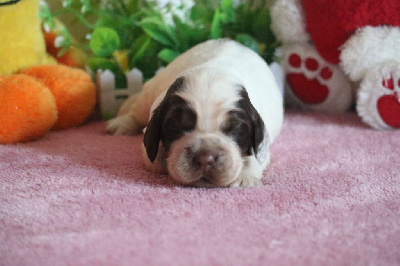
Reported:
(210, 116)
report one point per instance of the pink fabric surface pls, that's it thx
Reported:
(81, 197)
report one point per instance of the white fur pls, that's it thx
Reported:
(370, 47)
(287, 21)
(214, 68)
(366, 58)
(371, 89)
(248, 176)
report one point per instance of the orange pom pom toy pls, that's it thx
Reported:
(24, 102)
(35, 93)
(73, 90)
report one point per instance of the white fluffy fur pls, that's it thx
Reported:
(214, 68)
(210, 110)
(287, 21)
(371, 89)
(370, 47)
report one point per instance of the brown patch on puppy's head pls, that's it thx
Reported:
(245, 126)
(170, 120)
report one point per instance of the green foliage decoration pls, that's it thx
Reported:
(136, 33)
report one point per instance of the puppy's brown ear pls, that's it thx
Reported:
(259, 133)
(260, 136)
(261, 139)
(152, 136)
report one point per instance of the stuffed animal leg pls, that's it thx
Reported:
(312, 83)
(351, 46)
(376, 66)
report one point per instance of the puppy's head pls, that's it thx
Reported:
(203, 128)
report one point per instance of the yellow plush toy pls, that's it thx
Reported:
(36, 93)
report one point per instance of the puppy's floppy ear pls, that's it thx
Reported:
(259, 133)
(152, 136)
(258, 128)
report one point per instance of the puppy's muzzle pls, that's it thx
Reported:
(209, 158)
(208, 161)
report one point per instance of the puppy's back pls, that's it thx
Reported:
(195, 56)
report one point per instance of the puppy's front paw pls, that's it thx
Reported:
(123, 125)
(247, 182)
(251, 174)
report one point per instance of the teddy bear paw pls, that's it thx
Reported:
(378, 102)
(314, 84)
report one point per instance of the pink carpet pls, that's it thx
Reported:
(81, 197)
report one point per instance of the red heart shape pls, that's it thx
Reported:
(331, 22)
(389, 110)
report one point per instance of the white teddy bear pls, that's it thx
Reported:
(333, 50)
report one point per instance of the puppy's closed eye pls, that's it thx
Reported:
(239, 129)
(236, 122)
(179, 120)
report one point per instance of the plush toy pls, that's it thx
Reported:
(36, 93)
(333, 50)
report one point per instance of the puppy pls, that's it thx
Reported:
(211, 116)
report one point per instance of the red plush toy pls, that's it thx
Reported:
(331, 48)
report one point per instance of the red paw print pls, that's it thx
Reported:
(389, 105)
(309, 90)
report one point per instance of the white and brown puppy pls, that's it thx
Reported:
(211, 116)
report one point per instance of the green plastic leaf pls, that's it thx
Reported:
(245, 16)
(46, 17)
(86, 6)
(107, 116)
(62, 52)
(148, 62)
(139, 48)
(167, 55)
(96, 63)
(261, 26)
(201, 14)
(104, 42)
(63, 41)
(100, 63)
(67, 3)
(216, 25)
(144, 55)
(159, 31)
(184, 33)
(248, 41)
(228, 10)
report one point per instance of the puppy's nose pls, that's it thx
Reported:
(205, 160)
